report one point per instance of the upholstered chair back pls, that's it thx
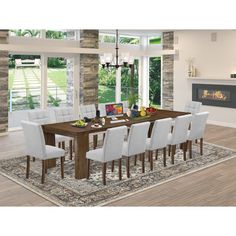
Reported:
(113, 143)
(64, 114)
(39, 116)
(87, 111)
(193, 107)
(34, 139)
(198, 125)
(180, 131)
(160, 131)
(137, 138)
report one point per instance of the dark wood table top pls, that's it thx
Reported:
(67, 129)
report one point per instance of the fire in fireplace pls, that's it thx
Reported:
(215, 95)
(218, 95)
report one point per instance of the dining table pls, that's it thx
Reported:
(81, 135)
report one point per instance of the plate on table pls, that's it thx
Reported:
(96, 126)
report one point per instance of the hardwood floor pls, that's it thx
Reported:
(214, 186)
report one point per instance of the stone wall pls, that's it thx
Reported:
(3, 84)
(168, 71)
(89, 68)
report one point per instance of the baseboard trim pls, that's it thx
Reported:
(220, 123)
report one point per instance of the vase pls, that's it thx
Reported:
(128, 113)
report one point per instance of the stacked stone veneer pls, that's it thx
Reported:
(3, 84)
(89, 68)
(168, 71)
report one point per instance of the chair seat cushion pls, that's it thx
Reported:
(54, 152)
(95, 155)
(62, 138)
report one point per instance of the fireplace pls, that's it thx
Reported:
(215, 95)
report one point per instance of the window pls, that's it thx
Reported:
(106, 85)
(25, 33)
(24, 86)
(60, 82)
(58, 34)
(155, 81)
(129, 83)
(129, 40)
(155, 40)
(107, 38)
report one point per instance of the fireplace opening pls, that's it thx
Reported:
(215, 95)
(210, 94)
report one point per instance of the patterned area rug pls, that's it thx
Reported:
(72, 192)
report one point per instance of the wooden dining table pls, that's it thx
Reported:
(81, 135)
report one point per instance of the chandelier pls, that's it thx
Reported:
(118, 60)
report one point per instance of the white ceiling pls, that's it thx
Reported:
(140, 32)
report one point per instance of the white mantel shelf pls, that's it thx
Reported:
(211, 78)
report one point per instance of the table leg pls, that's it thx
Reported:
(81, 147)
(50, 140)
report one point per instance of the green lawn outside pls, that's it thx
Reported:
(58, 76)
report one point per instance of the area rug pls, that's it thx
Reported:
(72, 192)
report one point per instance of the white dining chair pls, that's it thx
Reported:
(35, 147)
(66, 114)
(159, 139)
(88, 111)
(42, 117)
(111, 150)
(196, 131)
(136, 144)
(179, 135)
(192, 107)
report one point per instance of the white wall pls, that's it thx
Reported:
(212, 60)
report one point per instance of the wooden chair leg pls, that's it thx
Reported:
(169, 150)
(104, 169)
(151, 160)
(71, 149)
(95, 141)
(112, 166)
(156, 154)
(62, 167)
(127, 167)
(184, 150)
(190, 144)
(143, 162)
(201, 146)
(46, 166)
(195, 140)
(88, 168)
(120, 169)
(28, 167)
(33, 159)
(63, 145)
(135, 159)
(59, 144)
(173, 148)
(43, 172)
(164, 156)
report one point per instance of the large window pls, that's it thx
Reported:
(107, 85)
(107, 38)
(60, 82)
(129, 81)
(129, 40)
(25, 33)
(155, 40)
(24, 86)
(155, 81)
